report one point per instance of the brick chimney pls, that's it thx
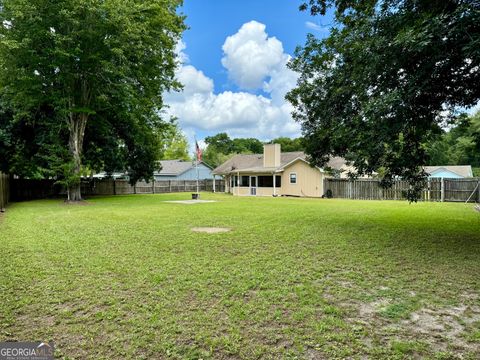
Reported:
(271, 155)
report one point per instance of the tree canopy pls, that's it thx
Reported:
(459, 145)
(221, 147)
(175, 144)
(81, 84)
(385, 81)
(287, 144)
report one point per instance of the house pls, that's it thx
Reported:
(182, 170)
(274, 173)
(449, 171)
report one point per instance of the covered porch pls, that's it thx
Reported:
(254, 184)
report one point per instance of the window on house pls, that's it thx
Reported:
(244, 181)
(267, 181)
(293, 178)
(278, 181)
(234, 181)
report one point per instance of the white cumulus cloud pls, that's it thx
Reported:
(254, 61)
(250, 55)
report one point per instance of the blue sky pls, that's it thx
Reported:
(212, 21)
(234, 67)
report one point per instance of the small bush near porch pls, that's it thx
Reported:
(125, 277)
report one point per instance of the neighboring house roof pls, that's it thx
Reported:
(337, 163)
(460, 170)
(254, 163)
(103, 174)
(176, 167)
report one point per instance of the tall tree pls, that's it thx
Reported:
(287, 144)
(221, 142)
(247, 145)
(220, 148)
(459, 145)
(82, 80)
(389, 74)
(175, 144)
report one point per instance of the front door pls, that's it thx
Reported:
(253, 185)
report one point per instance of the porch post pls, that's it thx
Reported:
(274, 188)
(214, 183)
(238, 180)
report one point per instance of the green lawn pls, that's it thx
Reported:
(125, 277)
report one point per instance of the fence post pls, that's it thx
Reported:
(169, 185)
(2, 199)
(135, 188)
(428, 193)
(442, 190)
(184, 185)
(153, 186)
(114, 187)
(478, 200)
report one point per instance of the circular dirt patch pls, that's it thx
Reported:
(211, 230)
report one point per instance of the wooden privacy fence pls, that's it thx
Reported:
(4, 191)
(436, 189)
(123, 187)
(25, 189)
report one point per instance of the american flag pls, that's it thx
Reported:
(198, 151)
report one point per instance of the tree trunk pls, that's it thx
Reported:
(77, 124)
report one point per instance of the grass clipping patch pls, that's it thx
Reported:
(211, 230)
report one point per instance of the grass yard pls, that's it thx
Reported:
(294, 279)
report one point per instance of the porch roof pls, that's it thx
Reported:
(256, 170)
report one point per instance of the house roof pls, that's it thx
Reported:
(461, 170)
(254, 163)
(176, 167)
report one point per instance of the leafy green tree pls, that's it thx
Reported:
(247, 145)
(380, 86)
(460, 145)
(175, 144)
(221, 142)
(220, 148)
(288, 144)
(81, 82)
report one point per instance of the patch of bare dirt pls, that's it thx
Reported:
(367, 310)
(444, 325)
(211, 230)
(445, 328)
(313, 354)
(442, 328)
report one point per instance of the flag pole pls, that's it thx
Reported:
(197, 175)
(196, 161)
